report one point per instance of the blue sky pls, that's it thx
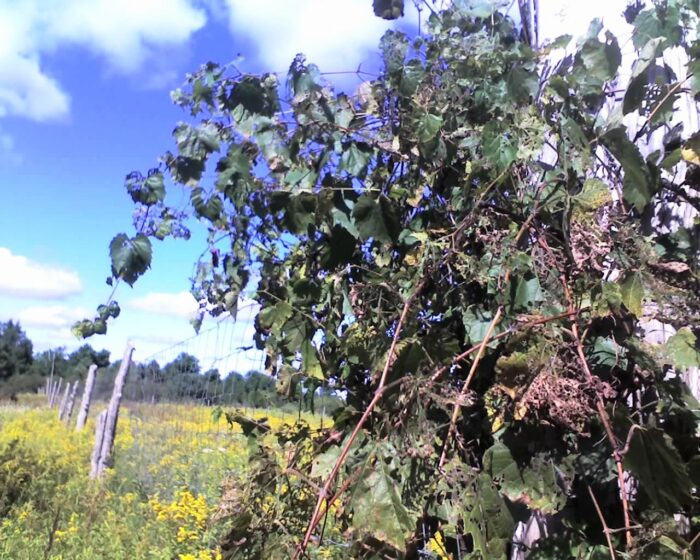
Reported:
(84, 99)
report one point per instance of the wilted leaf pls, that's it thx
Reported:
(691, 149)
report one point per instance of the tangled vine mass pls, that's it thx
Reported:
(472, 249)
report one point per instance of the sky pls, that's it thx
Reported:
(84, 99)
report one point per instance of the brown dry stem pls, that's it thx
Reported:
(465, 387)
(606, 529)
(324, 493)
(604, 418)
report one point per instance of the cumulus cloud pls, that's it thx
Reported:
(124, 32)
(334, 34)
(181, 304)
(50, 316)
(22, 277)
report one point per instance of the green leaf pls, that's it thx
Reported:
(651, 452)
(648, 25)
(378, 510)
(476, 324)
(355, 159)
(274, 317)
(634, 95)
(600, 60)
(608, 299)
(607, 353)
(683, 350)
(310, 365)
(256, 95)
(594, 195)
(388, 9)
(428, 128)
(638, 188)
(324, 462)
(130, 257)
(149, 190)
(303, 78)
(693, 70)
(287, 382)
(376, 219)
(522, 83)
(632, 292)
(209, 208)
(526, 292)
(411, 76)
(498, 146)
(300, 212)
(196, 142)
(394, 47)
(534, 485)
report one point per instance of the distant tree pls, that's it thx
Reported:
(182, 365)
(16, 350)
(235, 388)
(86, 355)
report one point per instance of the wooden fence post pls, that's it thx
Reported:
(54, 391)
(64, 401)
(68, 412)
(87, 397)
(97, 448)
(110, 425)
(49, 382)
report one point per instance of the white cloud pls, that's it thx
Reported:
(51, 316)
(334, 34)
(181, 304)
(24, 278)
(124, 32)
(27, 92)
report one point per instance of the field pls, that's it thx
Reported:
(159, 501)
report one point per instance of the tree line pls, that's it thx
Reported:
(22, 370)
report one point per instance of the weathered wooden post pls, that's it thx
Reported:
(112, 415)
(97, 448)
(68, 412)
(64, 401)
(49, 382)
(87, 397)
(54, 391)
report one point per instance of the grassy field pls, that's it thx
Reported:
(158, 502)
